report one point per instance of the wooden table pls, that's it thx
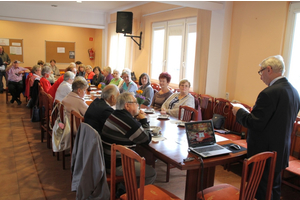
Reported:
(175, 148)
(93, 96)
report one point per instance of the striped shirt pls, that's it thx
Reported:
(122, 129)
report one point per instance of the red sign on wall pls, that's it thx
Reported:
(91, 39)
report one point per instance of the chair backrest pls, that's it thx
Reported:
(207, 104)
(187, 114)
(76, 119)
(294, 138)
(128, 158)
(155, 86)
(224, 108)
(253, 169)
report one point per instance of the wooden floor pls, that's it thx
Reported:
(29, 171)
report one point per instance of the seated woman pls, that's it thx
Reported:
(107, 75)
(148, 93)
(46, 71)
(89, 74)
(117, 80)
(15, 83)
(53, 67)
(36, 74)
(31, 88)
(181, 98)
(128, 85)
(65, 87)
(98, 77)
(161, 96)
(74, 100)
(81, 70)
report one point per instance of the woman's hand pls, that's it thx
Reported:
(163, 111)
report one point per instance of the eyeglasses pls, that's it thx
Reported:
(260, 71)
(132, 102)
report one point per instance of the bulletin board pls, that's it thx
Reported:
(13, 48)
(61, 52)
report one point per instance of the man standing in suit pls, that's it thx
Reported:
(271, 121)
(101, 108)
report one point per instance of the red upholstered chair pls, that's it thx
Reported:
(128, 157)
(294, 159)
(155, 86)
(251, 177)
(206, 105)
(187, 114)
(224, 108)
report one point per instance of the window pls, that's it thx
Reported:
(292, 47)
(173, 49)
(116, 52)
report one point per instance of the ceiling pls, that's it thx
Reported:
(113, 6)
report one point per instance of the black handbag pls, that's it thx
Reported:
(218, 121)
(35, 114)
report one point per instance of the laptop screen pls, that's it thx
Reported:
(200, 133)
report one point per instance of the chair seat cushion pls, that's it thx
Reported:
(294, 167)
(222, 191)
(152, 192)
(292, 158)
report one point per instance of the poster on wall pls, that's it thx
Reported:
(4, 42)
(15, 50)
(60, 49)
(71, 54)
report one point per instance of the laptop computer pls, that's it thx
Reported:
(201, 139)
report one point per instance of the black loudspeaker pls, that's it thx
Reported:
(124, 22)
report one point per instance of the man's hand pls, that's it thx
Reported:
(236, 107)
(141, 115)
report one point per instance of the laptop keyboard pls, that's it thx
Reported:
(209, 148)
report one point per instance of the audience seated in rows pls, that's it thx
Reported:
(65, 87)
(74, 100)
(54, 87)
(181, 98)
(15, 82)
(161, 96)
(123, 129)
(128, 85)
(101, 108)
(148, 93)
(117, 80)
(98, 77)
(89, 74)
(107, 75)
(46, 71)
(81, 69)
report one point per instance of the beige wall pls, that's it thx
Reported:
(144, 16)
(34, 36)
(257, 32)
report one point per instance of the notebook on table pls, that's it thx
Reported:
(201, 139)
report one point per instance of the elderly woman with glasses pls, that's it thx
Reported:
(45, 83)
(89, 74)
(148, 92)
(74, 100)
(128, 85)
(181, 98)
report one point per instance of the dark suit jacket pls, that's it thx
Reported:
(271, 121)
(97, 113)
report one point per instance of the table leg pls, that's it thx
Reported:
(193, 182)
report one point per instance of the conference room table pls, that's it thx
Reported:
(172, 147)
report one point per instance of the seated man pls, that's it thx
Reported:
(100, 109)
(15, 83)
(65, 87)
(123, 129)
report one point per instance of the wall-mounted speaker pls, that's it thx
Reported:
(124, 22)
